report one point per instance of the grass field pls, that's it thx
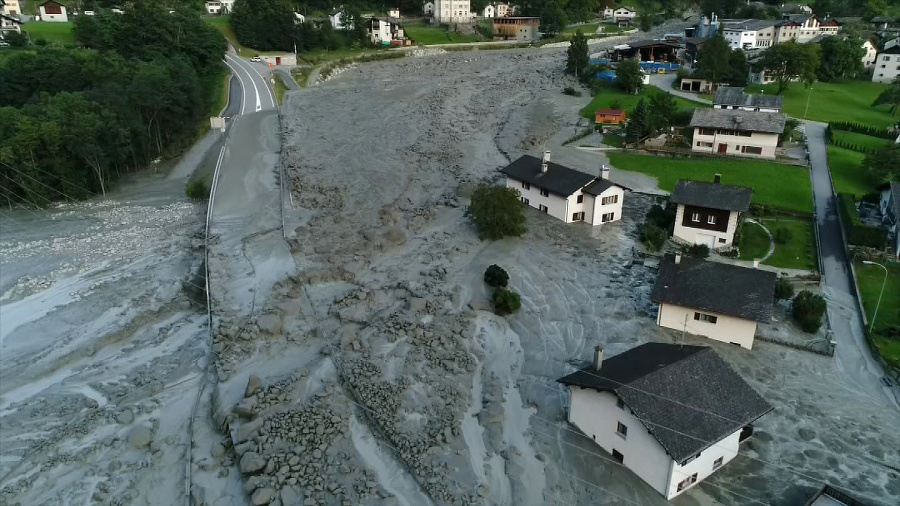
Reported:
(847, 172)
(798, 253)
(870, 279)
(782, 186)
(611, 96)
(221, 93)
(591, 28)
(428, 35)
(301, 75)
(862, 140)
(280, 88)
(834, 101)
(62, 33)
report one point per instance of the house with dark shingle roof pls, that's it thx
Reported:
(672, 414)
(711, 299)
(736, 132)
(708, 213)
(566, 194)
(889, 204)
(731, 97)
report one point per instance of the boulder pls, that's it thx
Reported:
(481, 305)
(270, 324)
(262, 496)
(125, 417)
(395, 236)
(252, 462)
(253, 385)
(140, 437)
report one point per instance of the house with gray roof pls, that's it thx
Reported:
(672, 414)
(708, 212)
(564, 193)
(736, 132)
(734, 98)
(889, 203)
(711, 299)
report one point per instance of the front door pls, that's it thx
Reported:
(723, 148)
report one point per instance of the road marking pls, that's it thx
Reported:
(264, 80)
(243, 86)
(255, 89)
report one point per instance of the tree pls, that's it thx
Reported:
(497, 212)
(578, 59)
(713, 62)
(266, 25)
(876, 8)
(553, 18)
(665, 110)
(722, 8)
(496, 277)
(884, 164)
(784, 290)
(644, 22)
(808, 309)
(506, 302)
(579, 11)
(841, 58)
(791, 61)
(737, 68)
(16, 39)
(629, 76)
(638, 123)
(890, 96)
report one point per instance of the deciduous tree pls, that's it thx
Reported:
(841, 58)
(791, 61)
(883, 165)
(578, 60)
(890, 96)
(497, 212)
(629, 76)
(553, 18)
(714, 59)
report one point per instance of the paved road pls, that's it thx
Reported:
(288, 80)
(255, 82)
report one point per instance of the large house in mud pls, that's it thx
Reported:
(708, 213)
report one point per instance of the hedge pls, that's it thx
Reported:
(859, 128)
(857, 233)
(852, 147)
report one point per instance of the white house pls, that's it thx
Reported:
(868, 59)
(381, 30)
(891, 43)
(502, 10)
(711, 299)
(11, 8)
(219, 6)
(9, 24)
(54, 12)
(566, 194)
(608, 12)
(887, 65)
(736, 132)
(890, 210)
(732, 97)
(641, 407)
(624, 15)
(452, 11)
(749, 34)
(428, 8)
(394, 13)
(488, 11)
(336, 18)
(708, 213)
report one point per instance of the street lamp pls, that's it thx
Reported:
(869, 262)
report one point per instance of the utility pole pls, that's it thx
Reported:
(875, 314)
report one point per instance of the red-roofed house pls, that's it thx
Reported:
(614, 116)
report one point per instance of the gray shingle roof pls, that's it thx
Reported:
(601, 185)
(687, 396)
(752, 24)
(558, 179)
(727, 95)
(712, 195)
(747, 121)
(716, 287)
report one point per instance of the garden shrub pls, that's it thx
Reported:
(784, 290)
(497, 212)
(496, 277)
(652, 236)
(568, 90)
(506, 302)
(808, 310)
(782, 235)
(196, 190)
(697, 250)
(662, 217)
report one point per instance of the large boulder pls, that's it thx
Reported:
(270, 324)
(253, 385)
(262, 496)
(252, 462)
(140, 437)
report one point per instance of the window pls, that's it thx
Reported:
(752, 150)
(885, 58)
(621, 430)
(609, 200)
(707, 131)
(578, 216)
(687, 482)
(721, 240)
(524, 200)
(695, 217)
(545, 193)
(580, 199)
(525, 185)
(717, 463)
(607, 217)
(711, 220)
(620, 403)
(702, 144)
(702, 317)
(542, 208)
(691, 459)
(618, 456)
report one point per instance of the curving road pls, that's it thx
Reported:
(255, 81)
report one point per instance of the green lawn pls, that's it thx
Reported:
(613, 140)
(754, 241)
(798, 253)
(301, 75)
(862, 140)
(870, 279)
(834, 101)
(51, 32)
(280, 88)
(847, 172)
(782, 186)
(428, 35)
(221, 93)
(611, 96)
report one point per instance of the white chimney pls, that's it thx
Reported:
(545, 160)
(756, 264)
(677, 258)
(598, 358)
(604, 171)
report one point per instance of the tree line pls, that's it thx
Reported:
(270, 25)
(72, 120)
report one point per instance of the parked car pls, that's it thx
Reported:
(256, 59)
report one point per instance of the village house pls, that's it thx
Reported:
(708, 213)
(672, 414)
(54, 12)
(11, 8)
(711, 299)
(452, 11)
(488, 11)
(891, 43)
(428, 9)
(566, 194)
(736, 132)
(889, 204)
(749, 34)
(609, 116)
(394, 13)
(887, 65)
(608, 12)
(336, 18)
(624, 15)
(219, 6)
(695, 85)
(521, 29)
(9, 24)
(868, 59)
(382, 31)
(734, 98)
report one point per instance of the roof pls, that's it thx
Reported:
(727, 95)
(891, 50)
(558, 179)
(712, 195)
(637, 44)
(832, 496)
(60, 2)
(895, 197)
(10, 18)
(687, 396)
(747, 121)
(601, 185)
(725, 289)
(752, 25)
(611, 112)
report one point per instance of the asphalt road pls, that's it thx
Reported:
(255, 82)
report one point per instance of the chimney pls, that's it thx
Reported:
(545, 159)
(717, 179)
(677, 258)
(598, 358)
(604, 171)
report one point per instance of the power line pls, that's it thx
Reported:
(40, 183)
(54, 175)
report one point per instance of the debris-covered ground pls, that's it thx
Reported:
(380, 376)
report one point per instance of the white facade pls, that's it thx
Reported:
(608, 12)
(891, 43)
(712, 238)
(756, 145)
(868, 59)
(598, 415)
(56, 14)
(727, 329)
(502, 10)
(624, 14)
(887, 66)
(739, 39)
(11, 8)
(337, 21)
(488, 12)
(428, 8)
(380, 31)
(219, 6)
(394, 13)
(452, 11)
(580, 206)
(8, 24)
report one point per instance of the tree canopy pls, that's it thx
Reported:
(883, 165)
(841, 58)
(713, 61)
(497, 212)
(629, 76)
(578, 58)
(553, 18)
(890, 96)
(791, 61)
